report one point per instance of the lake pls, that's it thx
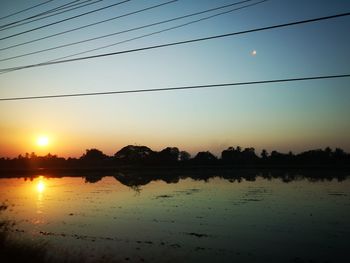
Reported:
(257, 219)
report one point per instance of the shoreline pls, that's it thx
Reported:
(167, 171)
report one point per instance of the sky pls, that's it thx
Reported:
(294, 116)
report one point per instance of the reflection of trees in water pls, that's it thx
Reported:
(93, 178)
(140, 176)
(136, 178)
(3, 206)
(136, 188)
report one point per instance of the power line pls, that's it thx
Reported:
(221, 85)
(176, 43)
(41, 16)
(13, 24)
(65, 6)
(26, 9)
(137, 28)
(64, 20)
(70, 6)
(128, 30)
(92, 24)
(157, 32)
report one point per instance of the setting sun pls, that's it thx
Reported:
(42, 141)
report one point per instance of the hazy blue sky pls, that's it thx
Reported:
(290, 116)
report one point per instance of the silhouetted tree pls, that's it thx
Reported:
(239, 157)
(93, 155)
(205, 158)
(339, 153)
(278, 158)
(171, 155)
(168, 155)
(249, 155)
(264, 154)
(134, 154)
(316, 157)
(184, 156)
(328, 151)
(231, 155)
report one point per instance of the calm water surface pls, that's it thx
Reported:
(214, 220)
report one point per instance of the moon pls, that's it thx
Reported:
(42, 141)
(253, 53)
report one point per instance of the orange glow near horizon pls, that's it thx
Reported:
(73, 143)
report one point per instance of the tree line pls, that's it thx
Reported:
(143, 155)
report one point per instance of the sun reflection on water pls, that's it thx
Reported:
(40, 187)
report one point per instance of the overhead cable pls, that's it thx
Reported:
(133, 29)
(49, 13)
(89, 25)
(64, 20)
(206, 86)
(26, 9)
(177, 43)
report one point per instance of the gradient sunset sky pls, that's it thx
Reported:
(283, 116)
